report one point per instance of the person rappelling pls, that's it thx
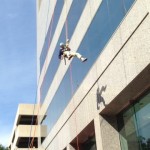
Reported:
(65, 52)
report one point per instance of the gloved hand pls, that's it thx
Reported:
(67, 40)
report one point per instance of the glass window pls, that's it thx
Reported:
(51, 31)
(128, 130)
(134, 126)
(52, 68)
(127, 4)
(89, 144)
(72, 20)
(76, 9)
(142, 110)
(114, 17)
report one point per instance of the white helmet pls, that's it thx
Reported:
(61, 44)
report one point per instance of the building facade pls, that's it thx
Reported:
(104, 103)
(23, 133)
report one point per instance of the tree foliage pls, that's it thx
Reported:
(3, 148)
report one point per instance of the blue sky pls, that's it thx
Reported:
(17, 60)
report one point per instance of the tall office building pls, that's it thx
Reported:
(103, 103)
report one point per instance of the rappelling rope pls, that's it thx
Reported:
(49, 41)
(71, 80)
(32, 121)
(29, 143)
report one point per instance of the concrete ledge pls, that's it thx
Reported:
(27, 109)
(130, 93)
(25, 131)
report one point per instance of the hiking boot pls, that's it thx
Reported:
(83, 59)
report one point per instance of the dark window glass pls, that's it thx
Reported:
(134, 126)
(128, 132)
(52, 68)
(104, 24)
(142, 111)
(127, 4)
(89, 144)
(113, 9)
(74, 15)
(51, 31)
(72, 20)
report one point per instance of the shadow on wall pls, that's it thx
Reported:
(100, 99)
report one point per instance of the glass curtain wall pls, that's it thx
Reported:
(134, 126)
(72, 20)
(51, 31)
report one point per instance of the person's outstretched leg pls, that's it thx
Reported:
(79, 56)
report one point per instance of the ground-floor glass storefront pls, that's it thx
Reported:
(134, 125)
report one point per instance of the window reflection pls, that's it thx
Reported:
(142, 110)
(72, 20)
(128, 130)
(134, 126)
(52, 68)
(51, 31)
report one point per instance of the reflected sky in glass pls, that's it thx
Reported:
(51, 31)
(72, 20)
(134, 125)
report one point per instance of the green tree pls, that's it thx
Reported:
(3, 148)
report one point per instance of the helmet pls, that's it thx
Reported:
(61, 44)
